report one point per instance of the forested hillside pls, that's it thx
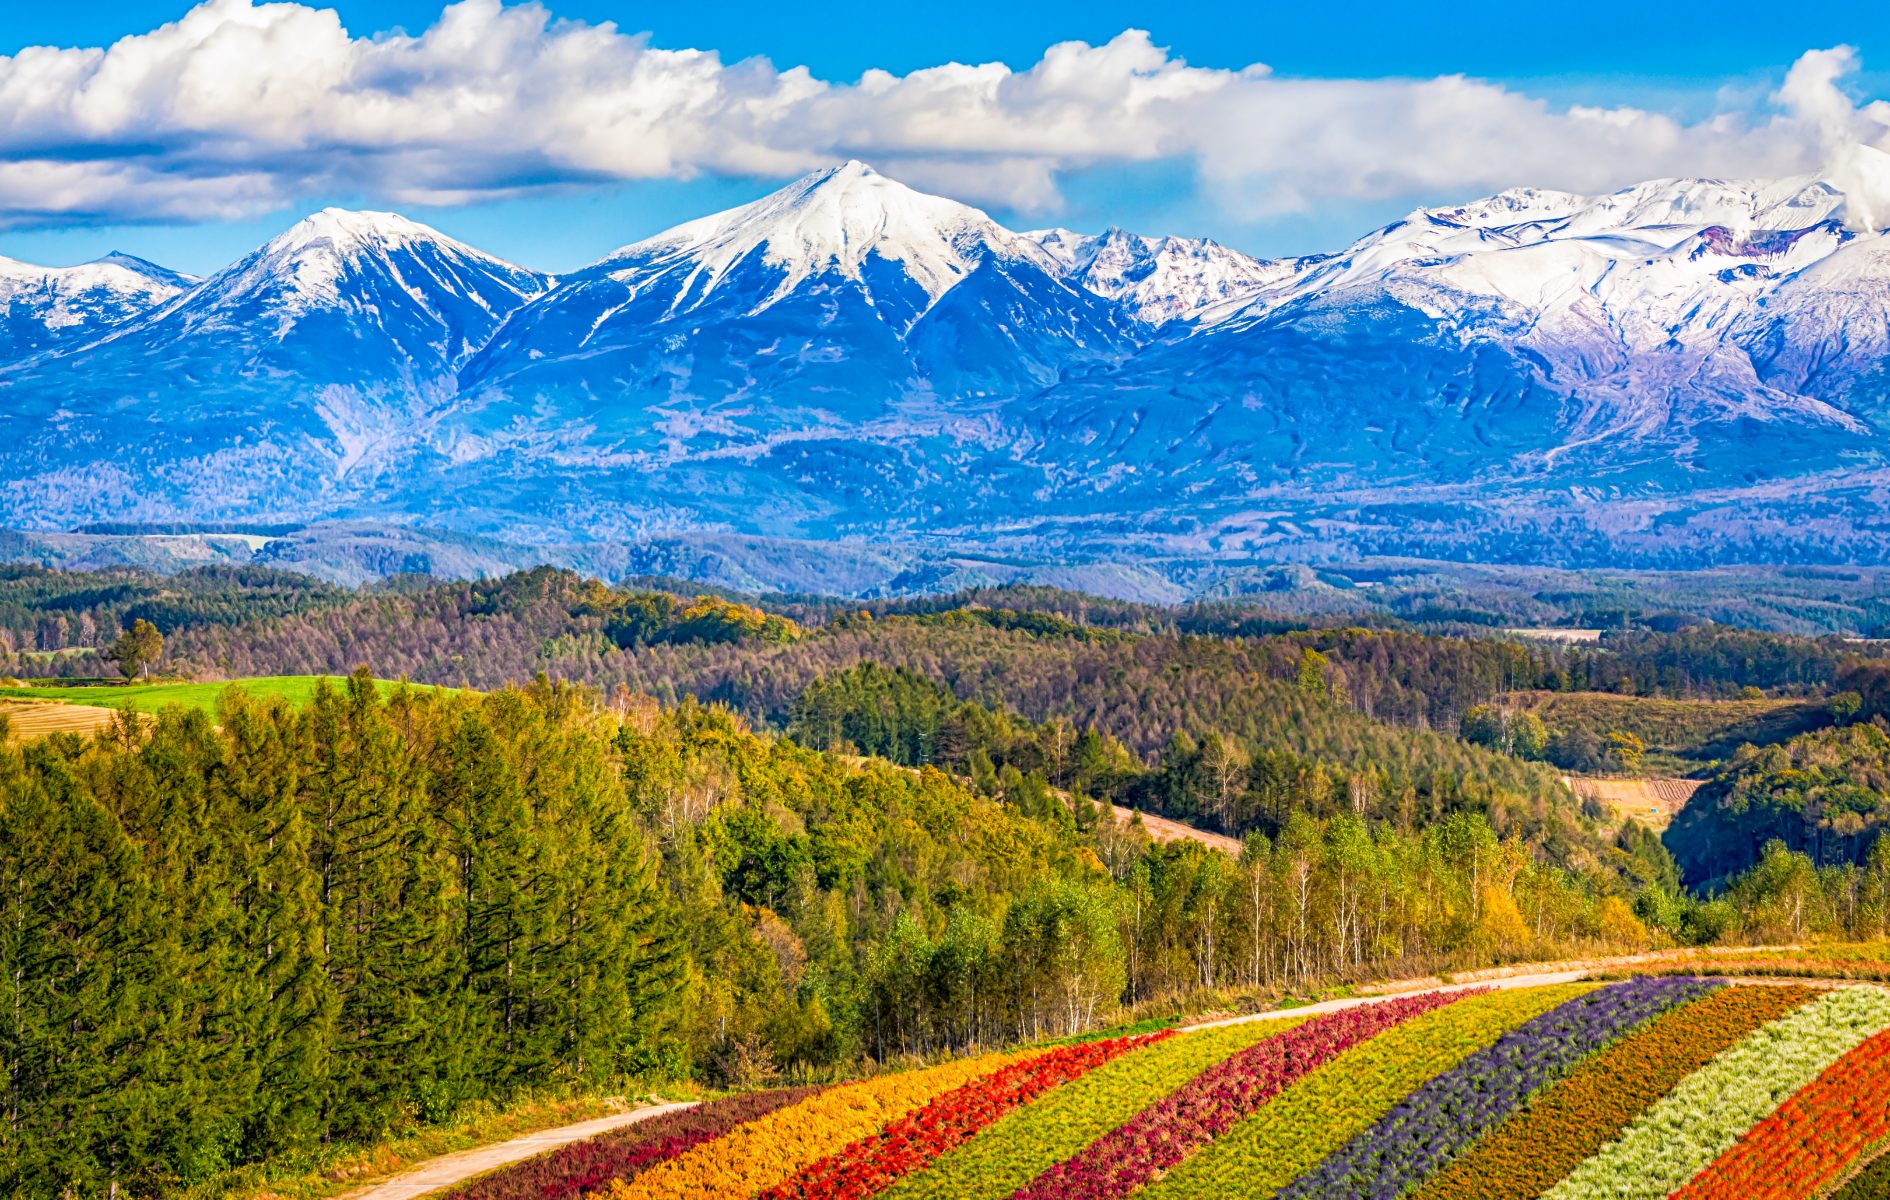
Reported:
(735, 842)
(229, 940)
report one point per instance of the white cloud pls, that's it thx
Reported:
(239, 107)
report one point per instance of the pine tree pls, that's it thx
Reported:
(79, 957)
(281, 988)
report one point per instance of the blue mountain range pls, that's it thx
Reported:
(1683, 368)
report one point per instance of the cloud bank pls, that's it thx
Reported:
(239, 108)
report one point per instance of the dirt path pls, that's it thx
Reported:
(450, 1169)
(1520, 975)
(1546, 979)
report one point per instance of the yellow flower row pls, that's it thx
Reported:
(767, 1151)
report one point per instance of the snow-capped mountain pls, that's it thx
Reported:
(843, 299)
(45, 306)
(1161, 279)
(297, 376)
(354, 292)
(1533, 372)
(1676, 334)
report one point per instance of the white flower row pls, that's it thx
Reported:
(1684, 1132)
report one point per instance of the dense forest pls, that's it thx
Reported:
(666, 835)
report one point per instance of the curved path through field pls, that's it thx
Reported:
(449, 1169)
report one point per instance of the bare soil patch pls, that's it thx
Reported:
(1652, 802)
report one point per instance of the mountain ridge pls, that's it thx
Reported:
(848, 357)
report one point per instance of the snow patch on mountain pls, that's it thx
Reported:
(321, 261)
(1666, 263)
(358, 293)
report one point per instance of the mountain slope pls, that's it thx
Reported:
(47, 306)
(827, 350)
(842, 297)
(1676, 335)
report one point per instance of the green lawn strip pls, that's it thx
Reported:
(1015, 1149)
(298, 690)
(1710, 1109)
(1328, 1108)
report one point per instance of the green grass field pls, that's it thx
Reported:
(150, 697)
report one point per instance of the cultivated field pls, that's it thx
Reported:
(37, 718)
(1648, 1087)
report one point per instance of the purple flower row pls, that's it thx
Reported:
(1446, 1115)
(1167, 1131)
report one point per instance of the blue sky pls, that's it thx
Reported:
(196, 209)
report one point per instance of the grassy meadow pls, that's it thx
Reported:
(298, 690)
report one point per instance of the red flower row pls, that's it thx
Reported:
(915, 1140)
(1812, 1138)
(1167, 1131)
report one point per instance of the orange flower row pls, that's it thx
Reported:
(1812, 1138)
(869, 1166)
(1538, 1147)
(771, 1149)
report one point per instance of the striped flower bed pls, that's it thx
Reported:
(1807, 1144)
(771, 1149)
(624, 1153)
(1657, 1087)
(1325, 1110)
(1708, 1111)
(870, 1164)
(1452, 1111)
(1012, 1151)
(1161, 1136)
(1532, 1152)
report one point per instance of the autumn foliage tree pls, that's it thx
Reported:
(137, 648)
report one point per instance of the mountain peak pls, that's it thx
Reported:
(347, 228)
(851, 169)
(146, 268)
(1156, 279)
(307, 263)
(833, 220)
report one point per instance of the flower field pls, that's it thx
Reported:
(1698, 1089)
